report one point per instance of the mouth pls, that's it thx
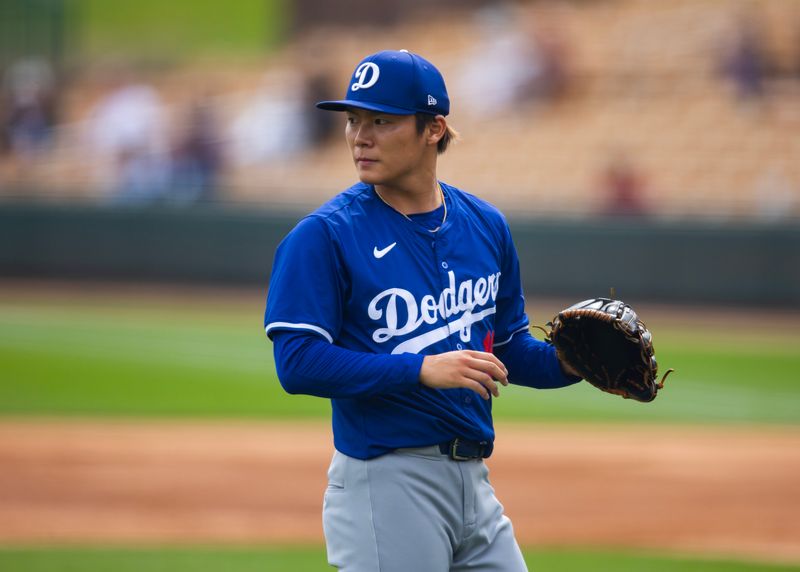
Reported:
(362, 161)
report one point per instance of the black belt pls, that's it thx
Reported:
(463, 450)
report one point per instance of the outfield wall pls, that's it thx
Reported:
(688, 262)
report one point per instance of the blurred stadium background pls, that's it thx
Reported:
(682, 109)
(153, 153)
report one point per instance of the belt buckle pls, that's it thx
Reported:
(453, 454)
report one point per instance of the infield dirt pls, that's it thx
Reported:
(731, 491)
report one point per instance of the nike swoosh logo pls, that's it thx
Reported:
(382, 252)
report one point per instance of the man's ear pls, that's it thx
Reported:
(435, 130)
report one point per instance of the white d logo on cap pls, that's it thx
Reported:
(366, 76)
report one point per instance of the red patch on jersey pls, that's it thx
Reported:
(488, 341)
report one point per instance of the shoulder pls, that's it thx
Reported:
(477, 207)
(345, 205)
(338, 212)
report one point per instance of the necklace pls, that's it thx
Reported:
(408, 218)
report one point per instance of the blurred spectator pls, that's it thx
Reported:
(743, 63)
(321, 124)
(623, 188)
(519, 56)
(28, 108)
(503, 65)
(197, 157)
(128, 137)
(551, 49)
(273, 124)
(775, 195)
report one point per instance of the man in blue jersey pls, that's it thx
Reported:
(400, 301)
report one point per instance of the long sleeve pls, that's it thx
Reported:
(308, 364)
(532, 363)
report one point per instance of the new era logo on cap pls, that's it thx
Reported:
(396, 82)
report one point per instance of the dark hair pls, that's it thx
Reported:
(450, 135)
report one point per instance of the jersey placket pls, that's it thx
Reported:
(439, 246)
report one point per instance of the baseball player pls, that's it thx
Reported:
(400, 301)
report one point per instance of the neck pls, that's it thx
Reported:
(420, 198)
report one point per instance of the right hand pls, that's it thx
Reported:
(478, 371)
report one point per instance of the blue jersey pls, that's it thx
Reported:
(365, 278)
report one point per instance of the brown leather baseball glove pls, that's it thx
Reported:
(609, 346)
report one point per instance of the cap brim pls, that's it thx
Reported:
(345, 104)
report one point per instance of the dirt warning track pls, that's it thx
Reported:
(730, 491)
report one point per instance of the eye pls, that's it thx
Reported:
(381, 121)
(351, 119)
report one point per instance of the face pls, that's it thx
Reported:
(386, 148)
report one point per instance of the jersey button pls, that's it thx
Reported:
(459, 347)
(468, 400)
(444, 265)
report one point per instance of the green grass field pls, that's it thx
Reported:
(313, 559)
(179, 28)
(210, 358)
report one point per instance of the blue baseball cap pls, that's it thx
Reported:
(396, 82)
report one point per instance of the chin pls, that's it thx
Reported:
(369, 178)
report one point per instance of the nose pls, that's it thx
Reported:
(362, 135)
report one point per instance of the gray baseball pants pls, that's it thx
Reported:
(416, 510)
